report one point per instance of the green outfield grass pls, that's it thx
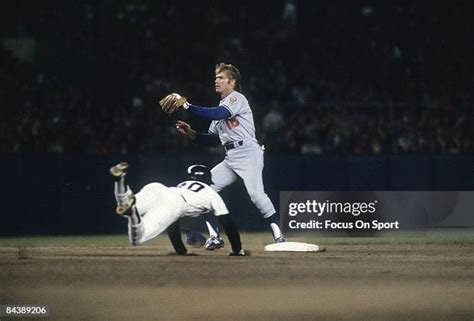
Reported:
(435, 236)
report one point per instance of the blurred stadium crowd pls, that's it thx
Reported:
(389, 78)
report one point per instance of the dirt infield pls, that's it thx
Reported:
(347, 282)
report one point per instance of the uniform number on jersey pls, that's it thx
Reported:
(195, 187)
(232, 122)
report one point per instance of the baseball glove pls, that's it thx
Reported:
(172, 103)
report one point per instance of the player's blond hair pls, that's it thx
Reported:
(232, 72)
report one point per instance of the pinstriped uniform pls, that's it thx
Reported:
(160, 206)
(201, 199)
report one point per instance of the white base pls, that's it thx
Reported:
(291, 247)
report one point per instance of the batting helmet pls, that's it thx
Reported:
(199, 173)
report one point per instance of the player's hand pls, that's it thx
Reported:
(185, 129)
(172, 103)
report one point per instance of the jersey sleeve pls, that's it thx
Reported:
(213, 128)
(214, 113)
(218, 206)
(234, 103)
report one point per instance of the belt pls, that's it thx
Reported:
(231, 145)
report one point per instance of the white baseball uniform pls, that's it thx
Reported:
(245, 158)
(160, 206)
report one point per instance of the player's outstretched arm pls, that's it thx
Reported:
(174, 234)
(231, 231)
(171, 103)
(214, 113)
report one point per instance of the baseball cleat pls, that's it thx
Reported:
(281, 239)
(123, 209)
(241, 253)
(118, 171)
(124, 202)
(214, 243)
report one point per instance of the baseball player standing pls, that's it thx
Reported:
(157, 208)
(233, 127)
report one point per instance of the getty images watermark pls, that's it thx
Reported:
(335, 211)
(375, 210)
(307, 215)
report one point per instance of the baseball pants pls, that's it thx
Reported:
(158, 209)
(245, 162)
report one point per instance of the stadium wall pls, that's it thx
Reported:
(58, 194)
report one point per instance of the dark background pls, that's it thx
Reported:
(346, 96)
